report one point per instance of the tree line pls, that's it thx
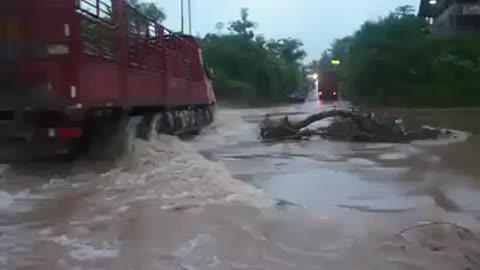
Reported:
(250, 68)
(395, 61)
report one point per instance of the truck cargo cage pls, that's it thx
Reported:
(97, 28)
(99, 52)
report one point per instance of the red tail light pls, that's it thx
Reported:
(320, 93)
(65, 132)
(334, 93)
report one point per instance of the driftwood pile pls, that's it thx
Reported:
(348, 126)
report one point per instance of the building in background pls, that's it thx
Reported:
(447, 17)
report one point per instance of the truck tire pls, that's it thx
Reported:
(196, 122)
(203, 113)
(178, 120)
(208, 116)
(114, 139)
(150, 126)
(158, 125)
(144, 127)
(169, 123)
(211, 113)
(199, 119)
(192, 119)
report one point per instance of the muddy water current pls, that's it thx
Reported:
(224, 200)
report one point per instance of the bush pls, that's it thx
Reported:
(393, 61)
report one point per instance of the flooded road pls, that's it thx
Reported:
(325, 175)
(224, 200)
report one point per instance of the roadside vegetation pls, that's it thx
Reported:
(394, 61)
(150, 9)
(249, 67)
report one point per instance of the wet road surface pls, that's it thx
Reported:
(296, 205)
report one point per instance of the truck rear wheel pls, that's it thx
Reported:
(158, 125)
(169, 123)
(114, 138)
(211, 113)
(208, 116)
(199, 119)
(150, 126)
(179, 121)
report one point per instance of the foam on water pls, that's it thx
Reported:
(174, 172)
(15, 202)
(455, 137)
(362, 162)
(84, 251)
(191, 245)
(168, 173)
(6, 200)
(223, 132)
(320, 124)
(165, 173)
(393, 156)
(375, 146)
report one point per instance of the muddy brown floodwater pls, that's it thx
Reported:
(226, 201)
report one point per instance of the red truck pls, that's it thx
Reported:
(75, 74)
(328, 86)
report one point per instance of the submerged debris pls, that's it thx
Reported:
(282, 204)
(348, 126)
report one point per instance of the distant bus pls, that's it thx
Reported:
(328, 86)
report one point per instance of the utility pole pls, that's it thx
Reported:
(182, 17)
(190, 16)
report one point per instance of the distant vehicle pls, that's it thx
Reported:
(328, 86)
(297, 97)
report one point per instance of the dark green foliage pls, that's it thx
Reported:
(248, 68)
(244, 26)
(393, 61)
(150, 9)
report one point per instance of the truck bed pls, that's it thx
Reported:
(70, 69)
(84, 55)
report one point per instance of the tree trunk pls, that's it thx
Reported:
(348, 125)
(320, 116)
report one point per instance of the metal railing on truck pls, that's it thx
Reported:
(148, 45)
(97, 28)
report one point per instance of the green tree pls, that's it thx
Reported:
(384, 57)
(339, 50)
(243, 26)
(150, 9)
(392, 61)
(289, 49)
(248, 68)
(403, 11)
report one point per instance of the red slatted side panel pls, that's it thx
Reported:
(146, 76)
(99, 53)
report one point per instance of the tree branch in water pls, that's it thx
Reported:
(346, 126)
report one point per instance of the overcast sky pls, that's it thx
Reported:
(315, 22)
